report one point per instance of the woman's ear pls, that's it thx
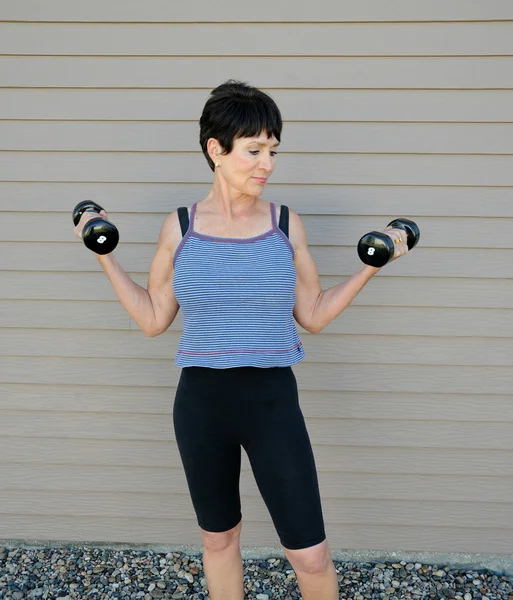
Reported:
(214, 149)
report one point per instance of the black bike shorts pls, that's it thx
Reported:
(216, 411)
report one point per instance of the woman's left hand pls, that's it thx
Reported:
(400, 239)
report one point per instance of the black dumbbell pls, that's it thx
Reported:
(376, 248)
(99, 235)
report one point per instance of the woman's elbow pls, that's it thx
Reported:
(154, 332)
(311, 327)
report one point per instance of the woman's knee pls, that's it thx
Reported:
(315, 559)
(220, 540)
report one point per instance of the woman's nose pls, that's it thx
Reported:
(265, 161)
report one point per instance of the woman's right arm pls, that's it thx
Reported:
(155, 307)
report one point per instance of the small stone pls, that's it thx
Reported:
(467, 597)
(262, 597)
(151, 587)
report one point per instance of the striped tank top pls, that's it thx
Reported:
(237, 297)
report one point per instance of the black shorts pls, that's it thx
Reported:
(216, 411)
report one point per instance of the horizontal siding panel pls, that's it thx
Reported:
(186, 533)
(420, 262)
(303, 72)
(286, 10)
(436, 232)
(311, 376)
(344, 485)
(356, 319)
(165, 455)
(422, 291)
(368, 138)
(178, 506)
(314, 404)
(225, 39)
(41, 313)
(374, 169)
(354, 432)
(295, 105)
(368, 349)
(388, 201)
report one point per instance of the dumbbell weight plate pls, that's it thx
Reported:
(100, 236)
(411, 228)
(81, 207)
(375, 249)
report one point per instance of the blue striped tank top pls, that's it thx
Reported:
(237, 298)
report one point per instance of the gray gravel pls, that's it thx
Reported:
(88, 572)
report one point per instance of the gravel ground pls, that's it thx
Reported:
(88, 572)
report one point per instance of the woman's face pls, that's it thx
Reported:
(249, 164)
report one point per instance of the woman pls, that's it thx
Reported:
(242, 272)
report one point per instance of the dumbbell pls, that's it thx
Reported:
(99, 235)
(376, 248)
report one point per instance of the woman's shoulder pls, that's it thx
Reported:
(171, 230)
(297, 232)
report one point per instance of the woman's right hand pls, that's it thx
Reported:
(87, 215)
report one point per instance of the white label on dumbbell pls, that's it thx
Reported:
(371, 251)
(101, 239)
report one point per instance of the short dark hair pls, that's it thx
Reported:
(236, 109)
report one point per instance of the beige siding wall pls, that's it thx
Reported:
(391, 109)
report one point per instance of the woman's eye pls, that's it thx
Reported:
(274, 153)
(253, 152)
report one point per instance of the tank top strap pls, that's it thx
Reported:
(193, 214)
(183, 217)
(283, 226)
(273, 215)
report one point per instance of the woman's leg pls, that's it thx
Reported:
(211, 458)
(222, 563)
(281, 456)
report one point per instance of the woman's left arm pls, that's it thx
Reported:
(315, 308)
